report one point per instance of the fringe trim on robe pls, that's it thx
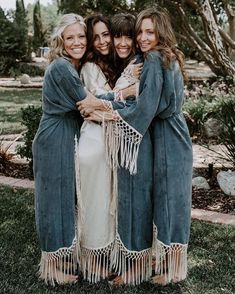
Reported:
(133, 266)
(55, 266)
(122, 144)
(95, 263)
(170, 261)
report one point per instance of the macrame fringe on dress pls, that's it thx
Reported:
(122, 144)
(133, 266)
(170, 261)
(56, 266)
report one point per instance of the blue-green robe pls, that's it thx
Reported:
(54, 170)
(156, 118)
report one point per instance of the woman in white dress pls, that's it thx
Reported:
(97, 186)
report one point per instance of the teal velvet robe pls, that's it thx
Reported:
(157, 121)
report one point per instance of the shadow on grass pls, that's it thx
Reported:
(210, 256)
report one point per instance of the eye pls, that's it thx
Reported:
(106, 34)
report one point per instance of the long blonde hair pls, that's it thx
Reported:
(167, 44)
(57, 42)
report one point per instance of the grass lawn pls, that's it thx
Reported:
(11, 101)
(211, 256)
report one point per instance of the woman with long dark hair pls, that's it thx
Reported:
(157, 117)
(97, 183)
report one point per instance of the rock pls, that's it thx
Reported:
(25, 79)
(212, 128)
(200, 183)
(226, 181)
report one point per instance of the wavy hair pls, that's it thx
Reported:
(105, 62)
(167, 44)
(57, 43)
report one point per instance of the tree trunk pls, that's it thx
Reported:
(214, 38)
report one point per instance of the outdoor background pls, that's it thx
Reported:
(205, 32)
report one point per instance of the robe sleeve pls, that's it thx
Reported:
(71, 81)
(123, 137)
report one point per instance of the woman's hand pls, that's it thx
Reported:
(136, 70)
(100, 116)
(89, 104)
(129, 91)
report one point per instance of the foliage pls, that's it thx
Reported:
(38, 36)
(204, 100)
(49, 17)
(226, 115)
(10, 67)
(30, 118)
(21, 29)
(85, 7)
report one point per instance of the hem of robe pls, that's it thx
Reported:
(122, 143)
(95, 262)
(170, 260)
(56, 266)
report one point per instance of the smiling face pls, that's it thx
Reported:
(102, 39)
(146, 37)
(75, 41)
(123, 46)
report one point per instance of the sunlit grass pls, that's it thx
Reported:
(11, 102)
(211, 256)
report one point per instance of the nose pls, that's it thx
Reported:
(143, 37)
(77, 41)
(123, 41)
(102, 40)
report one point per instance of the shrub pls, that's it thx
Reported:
(226, 115)
(31, 116)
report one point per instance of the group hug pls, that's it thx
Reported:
(112, 156)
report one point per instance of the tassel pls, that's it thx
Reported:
(124, 140)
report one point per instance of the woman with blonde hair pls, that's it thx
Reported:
(56, 205)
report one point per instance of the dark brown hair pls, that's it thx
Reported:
(123, 24)
(105, 62)
(167, 45)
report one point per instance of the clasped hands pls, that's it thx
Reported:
(94, 109)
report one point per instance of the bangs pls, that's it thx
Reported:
(123, 25)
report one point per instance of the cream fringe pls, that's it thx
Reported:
(54, 266)
(95, 263)
(171, 261)
(122, 144)
(134, 266)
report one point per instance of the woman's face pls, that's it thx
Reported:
(146, 38)
(75, 41)
(123, 46)
(102, 39)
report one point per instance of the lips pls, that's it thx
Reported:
(78, 50)
(103, 48)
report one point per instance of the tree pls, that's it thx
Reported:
(201, 23)
(21, 30)
(38, 35)
(85, 7)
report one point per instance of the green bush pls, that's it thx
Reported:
(31, 116)
(25, 68)
(226, 115)
(11, 68)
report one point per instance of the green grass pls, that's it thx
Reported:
(11, 101)
(211, 256)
